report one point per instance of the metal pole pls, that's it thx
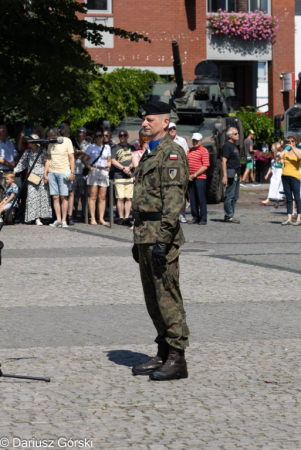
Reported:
(111, 201)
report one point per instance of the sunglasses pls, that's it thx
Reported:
(123, 135)
(98, 135)
(172, 128)
(235, 134)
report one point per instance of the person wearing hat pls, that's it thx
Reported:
(172, 131)
(248, 150)
(161, 181)
(198, 159)
(38, 204)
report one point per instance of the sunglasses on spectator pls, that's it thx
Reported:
(235, 134)
(98, 135)
(172, 128)
(123, 135)
(62, 126)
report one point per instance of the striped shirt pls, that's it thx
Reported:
(197, 159)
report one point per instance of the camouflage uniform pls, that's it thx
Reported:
(160, 185)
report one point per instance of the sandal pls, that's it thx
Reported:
(264, 203)
(93, 222)
(297, 223)
(105, 224)
(287, 222)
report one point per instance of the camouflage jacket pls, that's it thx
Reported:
(160, 185)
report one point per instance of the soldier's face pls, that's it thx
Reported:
(155, 126)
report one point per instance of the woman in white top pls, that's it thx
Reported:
(98, 160)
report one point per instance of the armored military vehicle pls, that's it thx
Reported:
(201, 106)
(292, 121)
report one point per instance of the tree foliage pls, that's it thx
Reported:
(44, 69)
(261, 124)
(114, 96)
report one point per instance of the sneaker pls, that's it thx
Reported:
(232, 220)
(242, 184)
(203, 222)
(1, 219)
(256, 184)
(183, 218)
(70, 220)
(64, 225)
(38, 222)
(127, 222)
(56, 224)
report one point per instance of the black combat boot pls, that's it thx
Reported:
(154, 363)
(173, 369)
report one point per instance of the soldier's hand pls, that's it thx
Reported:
(135, 253)
(159, 254)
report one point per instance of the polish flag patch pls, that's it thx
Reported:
(172, 156)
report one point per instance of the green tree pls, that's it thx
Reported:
(114, 96)
(44, 69)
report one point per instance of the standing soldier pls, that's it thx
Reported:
(160, 185)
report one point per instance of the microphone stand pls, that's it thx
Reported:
(40, 149)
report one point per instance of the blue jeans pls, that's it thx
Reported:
(291, 185)
(58, 185)
(231, 197)
(198, 203)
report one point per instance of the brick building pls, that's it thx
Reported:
(255, 68)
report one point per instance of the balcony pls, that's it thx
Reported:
(235, 49)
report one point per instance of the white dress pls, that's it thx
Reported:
(276, 183)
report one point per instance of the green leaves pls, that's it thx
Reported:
(44, 69)
(113, 96)
(260, 123)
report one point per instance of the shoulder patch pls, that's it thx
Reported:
(173, 156)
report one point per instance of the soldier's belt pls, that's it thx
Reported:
(143, 216)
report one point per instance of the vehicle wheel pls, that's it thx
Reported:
(215, 189)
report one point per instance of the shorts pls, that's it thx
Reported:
(124, 190)
(98, 177)
(58, 185)
(249, 164)
(78, 185)
(7, 207)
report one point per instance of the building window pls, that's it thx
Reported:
(108, 38)
(239, 5)
(261, 5)
(99, 6)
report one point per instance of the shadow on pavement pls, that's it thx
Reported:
(127, 357)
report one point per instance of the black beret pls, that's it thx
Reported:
(153, 109)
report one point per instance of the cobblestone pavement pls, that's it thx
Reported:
(72, 309)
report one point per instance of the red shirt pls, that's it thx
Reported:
(198, 158)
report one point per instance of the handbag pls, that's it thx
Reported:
(86, 170)
(35, 179)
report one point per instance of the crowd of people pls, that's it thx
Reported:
(79, 169)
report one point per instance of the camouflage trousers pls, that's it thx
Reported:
(163, 298)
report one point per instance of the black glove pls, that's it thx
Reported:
(159, 254)
(135, 253)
